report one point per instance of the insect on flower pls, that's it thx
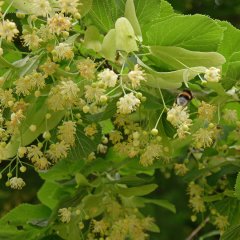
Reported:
(184, 98)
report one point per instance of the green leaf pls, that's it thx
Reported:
(89, 204)
(63, 170)
(125, 37)
(174, 79)
(92, 39)
(159, 202)
(233, 233)
(81, 180)
(237, 187)
(109, 45)
(137, 191)
(107, 126)
(130, 14)
(232, 74)
(195, 32)
(47, 194)
(231, 38)
(104, 13)
(152, 10)
(85, 7)
(18, 215)
(179, 58)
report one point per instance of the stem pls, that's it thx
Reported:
(164, 105)
(198, 229)
(9, 6)
(112, 90)
(159, 118)
(121, 83)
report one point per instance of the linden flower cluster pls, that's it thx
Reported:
(206, 111)
(128, 104)
(8, 30)
(64, 95)
(16, 183)
(65, 215)
(212, 74)
(178, 116)
(41, 7)
(34, 81)
(196, 197)
(70, 6)
(136, 76)
(108, 78)
(204, 137)
(62, 51)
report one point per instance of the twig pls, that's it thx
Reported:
(197, 230)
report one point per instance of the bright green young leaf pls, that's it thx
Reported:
(109, 45)
(179, 58)
(130, 14)
(174, 79)
(92, 39)
(125, 37)
(196, 32)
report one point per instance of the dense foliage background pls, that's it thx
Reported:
(171, 188)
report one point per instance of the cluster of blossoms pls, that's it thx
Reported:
(68, 91)
(212, 74)
(178, 116)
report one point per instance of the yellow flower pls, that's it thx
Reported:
(93, 93)
(86, 68)
(197, 204)
(212, 74)
(136, 76)
(31, 40)
(16, 183)
(59, 23)
(180, 169)
(34, 153)
(203, 138)
(65, 214)
(69, 6)
(8, 30)
(90, 130)
(178, 115)
(230, 115)
(24, 85)
(62, 51)
(41, 7)
(206, 111)
(108, 77)
(67, 132)
(49, 67)
(127, 104)
(115, 136)
(151, 153)
(58, 151)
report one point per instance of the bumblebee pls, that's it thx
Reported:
(184, 97)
